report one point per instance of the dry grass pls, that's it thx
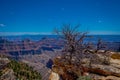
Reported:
(115, 56)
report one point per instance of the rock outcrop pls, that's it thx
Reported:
(54, 76)
(14, 70)
(97, 71)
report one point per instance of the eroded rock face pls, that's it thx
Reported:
(54, 76)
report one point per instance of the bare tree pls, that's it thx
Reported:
(73, 42)
(77, 52)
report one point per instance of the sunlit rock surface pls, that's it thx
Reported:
(54, 76)
(97, 71)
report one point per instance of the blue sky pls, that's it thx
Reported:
(42, 16)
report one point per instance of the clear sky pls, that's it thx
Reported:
(41, 16)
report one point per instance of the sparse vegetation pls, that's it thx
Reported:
(84, 78)
(0, 73)
(23, 71)
(106, 60)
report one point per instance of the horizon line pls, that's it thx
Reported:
(48, 33)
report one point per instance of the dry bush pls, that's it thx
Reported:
(115, 56)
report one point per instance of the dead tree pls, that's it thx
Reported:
(73, 42)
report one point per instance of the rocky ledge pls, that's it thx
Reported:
(95, 71)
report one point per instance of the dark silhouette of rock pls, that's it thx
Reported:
(49, 64)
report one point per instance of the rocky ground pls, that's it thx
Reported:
(97, 71)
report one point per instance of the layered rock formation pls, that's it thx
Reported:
(24, 47)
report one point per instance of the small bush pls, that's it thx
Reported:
(106, 60)
(84, 78)
(0, 73)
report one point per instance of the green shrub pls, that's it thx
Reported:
(23, 71)
(84, 78)
(0, 73)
